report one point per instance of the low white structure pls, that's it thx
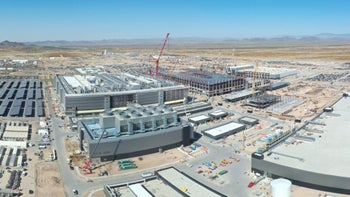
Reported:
(13, 144)
(281, 187)
(43, 132)
(224, 130)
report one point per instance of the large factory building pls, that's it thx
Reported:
(135, 131)
(207, 83)
(87, 94)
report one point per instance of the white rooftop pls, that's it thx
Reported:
(224, 129)
(181, 181)
(199, 118)
(271, 70)
(329, 154)
(218, 113)
(72, 81)
(139, 191)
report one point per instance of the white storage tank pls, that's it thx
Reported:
(281, 187)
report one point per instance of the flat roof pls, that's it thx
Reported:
(17, 128)
(138, 190)
(218, 113)
(179, 180)
(271, 70)
(328, 154)
(14, 134)
(248, 119)
(199, 118)
(224, 129)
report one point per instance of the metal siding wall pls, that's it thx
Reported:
(138, 142)
(84, 102)
(147, 98)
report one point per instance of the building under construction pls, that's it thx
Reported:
(263, 101)
(210, 84)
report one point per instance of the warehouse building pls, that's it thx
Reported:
(200, 119)
(267, 72)
(218, 114)
(191, 108)
(278, 85)
(250, 121)
(137, 130)
(87, 94)
(224, 130)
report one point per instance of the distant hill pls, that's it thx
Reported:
(7, 43)
(324, 38)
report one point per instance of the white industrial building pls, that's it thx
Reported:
(274, 72)
(224, 130)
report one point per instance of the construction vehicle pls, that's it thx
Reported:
(222, 172)
(157, 58)
(87, 165)
(125, 161)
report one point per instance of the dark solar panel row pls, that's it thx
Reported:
(24, 84)
(39, 84)
(30, 103)
(29, 109)
(11, 94)
(16, 107)
(4, 108)
(29, 112)
(3, 111)
(40, 109)
(9, 85)
(15, 84)
(21, 94)
(6, 103)
(31, 84)
(31, 94)
(15, 111)
(3, 93)
(18, 103)
(2, 83)
(40, 112)
(39, 94)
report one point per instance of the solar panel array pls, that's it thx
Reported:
(21, 98)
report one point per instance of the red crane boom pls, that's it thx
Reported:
(160, 53)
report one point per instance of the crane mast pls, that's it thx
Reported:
(160, 53)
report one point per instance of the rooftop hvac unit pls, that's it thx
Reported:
(281, 187)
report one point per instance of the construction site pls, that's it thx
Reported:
(204, 116)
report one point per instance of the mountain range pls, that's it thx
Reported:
(324, 38)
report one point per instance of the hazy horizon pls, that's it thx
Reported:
(29, 21)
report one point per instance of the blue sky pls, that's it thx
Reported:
(36, 20)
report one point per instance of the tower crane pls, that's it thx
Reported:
(160, 54)
(254, 78)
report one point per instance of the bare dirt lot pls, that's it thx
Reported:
(48, 181)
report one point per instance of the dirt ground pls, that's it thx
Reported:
(150, 162)
(48, 180)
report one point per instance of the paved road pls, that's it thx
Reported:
(235, 176)
(70, 178)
